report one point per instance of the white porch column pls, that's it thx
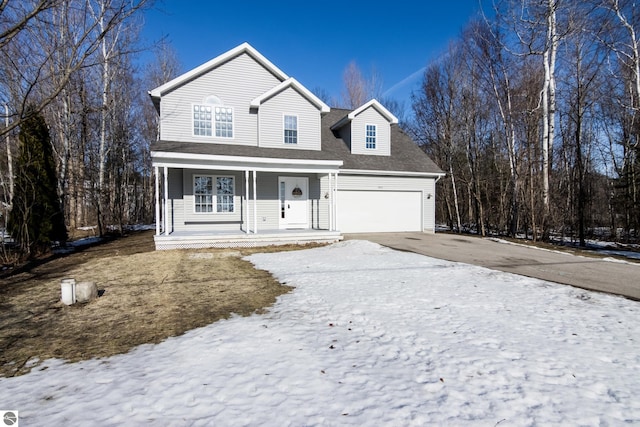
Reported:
(330, 192)
(255, 204)
(166, 200)
(246, 200)
(335, 205)
(156, 170)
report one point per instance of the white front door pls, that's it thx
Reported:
(293, 197)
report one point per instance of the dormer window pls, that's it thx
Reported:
(290, 129)
(212, 114)
(370, 139)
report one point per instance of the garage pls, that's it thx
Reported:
(379, 211)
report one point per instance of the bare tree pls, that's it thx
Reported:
(15, 16)
(26, 53)
(621, 37)
(358, 89)
(498, 73)
(437, 125)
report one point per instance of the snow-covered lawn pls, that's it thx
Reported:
(369, 337)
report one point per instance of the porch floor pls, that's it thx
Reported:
(235, 239)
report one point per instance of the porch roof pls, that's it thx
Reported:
(192, 159)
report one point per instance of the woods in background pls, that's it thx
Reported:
(534, 115)
(71, 63)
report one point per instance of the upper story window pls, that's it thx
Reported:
(212, 114)
(204, 192)
(370, 139)
(224, 122)
(290, 129)
(202, 120)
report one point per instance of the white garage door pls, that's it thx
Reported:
(379, 211)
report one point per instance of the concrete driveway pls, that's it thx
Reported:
(583, 272)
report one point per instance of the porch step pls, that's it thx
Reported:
(242, 240)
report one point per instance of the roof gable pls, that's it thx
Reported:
(371, 104)
(291, 83)
(215, 62)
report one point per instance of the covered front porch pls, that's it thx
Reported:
(265, 203)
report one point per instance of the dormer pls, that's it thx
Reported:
(367, 129)
(289, 117)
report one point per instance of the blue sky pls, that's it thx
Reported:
(314, 41)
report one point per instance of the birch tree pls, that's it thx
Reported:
(549, 54)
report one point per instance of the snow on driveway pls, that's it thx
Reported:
(369, 337)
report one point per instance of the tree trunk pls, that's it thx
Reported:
(548, 108)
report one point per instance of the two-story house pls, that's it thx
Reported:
(248, 156)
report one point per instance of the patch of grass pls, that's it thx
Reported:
(147, 296)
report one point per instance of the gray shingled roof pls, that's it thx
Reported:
(406, 156)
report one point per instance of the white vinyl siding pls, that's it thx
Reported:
(370, 117)
(289, 102)
(237, 82)
(176, 198)
(426, 186)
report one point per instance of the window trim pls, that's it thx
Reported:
(284, 129)
(374, 142)
(193, 119)
(213, 121)
(214, 194)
